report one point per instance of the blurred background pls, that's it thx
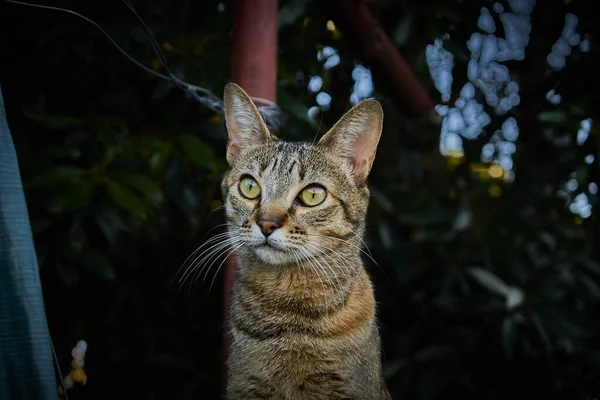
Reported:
(483, 217)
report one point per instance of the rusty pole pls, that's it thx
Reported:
(358, 23)
(254, 68)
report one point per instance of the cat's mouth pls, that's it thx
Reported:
(273, 253)
(270, 246)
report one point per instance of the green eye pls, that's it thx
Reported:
(249, 188)
(312, 196)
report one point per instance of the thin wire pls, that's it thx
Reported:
(272, 114)
(59, 372)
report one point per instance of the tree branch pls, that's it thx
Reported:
(360, 26)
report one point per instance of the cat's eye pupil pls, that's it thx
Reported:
(312, 196)
(249, 188)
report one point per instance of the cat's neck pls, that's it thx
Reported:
(308, 286)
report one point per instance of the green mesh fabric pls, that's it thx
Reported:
(26, 363)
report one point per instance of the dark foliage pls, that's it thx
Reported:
(121, 173)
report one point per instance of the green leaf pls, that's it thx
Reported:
(64, 152)
(590, 265)
(489, 280)
(99, 264)
(54, 121)
(55, 176)
(291, 11)
(197, 151)
(552, 116)
(77, 197)
(109, 126)
(159, 158)
(126, 199)
(111, 225)
(565, 322)
(143, 184)
(403, 30)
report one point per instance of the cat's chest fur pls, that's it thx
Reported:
(281, 352)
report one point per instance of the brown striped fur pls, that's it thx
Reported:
(303, 312)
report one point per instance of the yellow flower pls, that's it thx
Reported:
(79, 376)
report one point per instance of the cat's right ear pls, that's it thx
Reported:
(245, 126)
(355, 137)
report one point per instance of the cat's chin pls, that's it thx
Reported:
(272, 255)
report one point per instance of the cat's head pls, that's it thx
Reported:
(291, 201)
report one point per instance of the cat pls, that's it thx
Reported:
(302, 311)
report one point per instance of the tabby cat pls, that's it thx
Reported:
(303, 311)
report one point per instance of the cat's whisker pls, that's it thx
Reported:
(314, 271)
(329, 253)
(336, 276)
(220, 265)
(295, 255)
(210, 243)
(325, 274)
(213, 238)
(345, 242)
(221, 225)
(195, 264)
(214, 256)
(193, 254)
(214, 211)
(363, 243)
(337, 254)
(318, 130)
(320, 252)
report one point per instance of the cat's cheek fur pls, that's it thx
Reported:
(238, 208)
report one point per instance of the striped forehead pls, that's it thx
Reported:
(283, 167)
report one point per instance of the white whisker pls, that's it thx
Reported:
(315, 271)
(216, 237)
(214, 247)
(220, 265)
(345, 242)
(214, 256)
(340, 286)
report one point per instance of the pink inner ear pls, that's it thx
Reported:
(364, 146)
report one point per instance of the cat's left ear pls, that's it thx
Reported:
(355, 137)
(245, 126)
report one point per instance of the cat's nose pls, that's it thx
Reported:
(268, 225)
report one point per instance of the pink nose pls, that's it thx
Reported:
(268, 225)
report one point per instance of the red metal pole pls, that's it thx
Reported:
(254, 68)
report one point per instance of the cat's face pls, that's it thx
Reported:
(287, 202)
